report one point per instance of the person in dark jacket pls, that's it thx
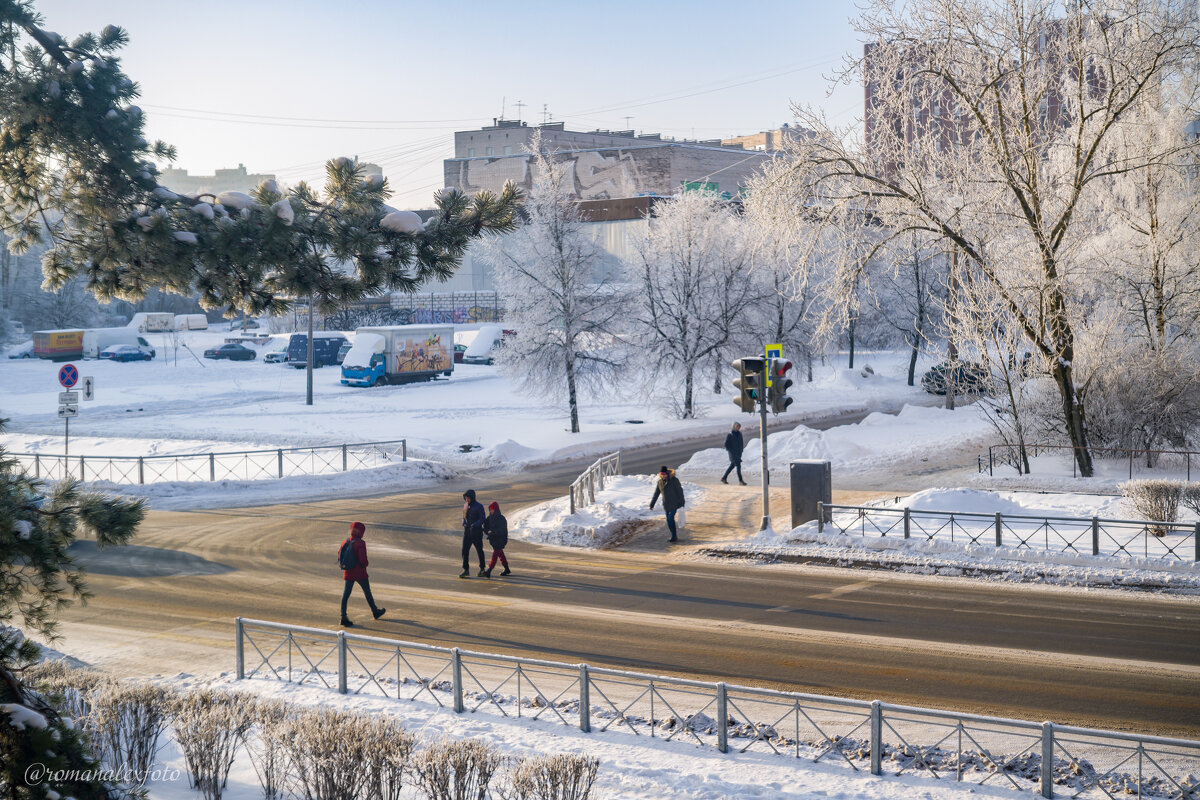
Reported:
(734, 446)
(496, 528)
(354, 550)
(473, 518)
(672, 494)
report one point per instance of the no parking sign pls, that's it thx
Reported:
(68, 376)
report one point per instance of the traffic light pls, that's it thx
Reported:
(777, 393)
(749, 382)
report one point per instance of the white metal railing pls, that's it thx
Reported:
(1147, 539)
(883, 738)
(245, 465)
(583, 490)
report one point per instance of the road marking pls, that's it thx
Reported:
(593, 564)
(833, 594)
(455, 598)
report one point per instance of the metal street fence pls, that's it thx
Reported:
(242, 465)
(881, 738)
(583, 490)
(1001, 455)
(1167, 541)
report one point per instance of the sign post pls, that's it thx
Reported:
(772, 353)
(68, 376)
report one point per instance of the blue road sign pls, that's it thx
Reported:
(68, 376)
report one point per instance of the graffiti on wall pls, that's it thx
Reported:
(594, 175)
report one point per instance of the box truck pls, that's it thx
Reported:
(97, 339)
(58, 345)
(399, 354)
(191, 322)
(152, 322)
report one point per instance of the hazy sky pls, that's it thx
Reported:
(283, 85)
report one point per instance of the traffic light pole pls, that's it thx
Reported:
(766, 476)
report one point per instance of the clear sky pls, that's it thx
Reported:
(283, 85)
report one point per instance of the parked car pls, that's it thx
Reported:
(969, 378)
(22, 351)
(251, 325)
(459, 351)
(125, 352)
(482, 349)
(233, 352)
(279, 356)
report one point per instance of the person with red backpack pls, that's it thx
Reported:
(352, 558)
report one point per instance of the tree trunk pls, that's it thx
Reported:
(850, 333)
(1076, 421)
(309, 396)
(572, 398)
(912, 361)
(687, 391)
(716, 372)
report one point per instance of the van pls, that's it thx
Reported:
(325, 348)
(191, 322)
(152, 322)
(58, 345)
(97, 339)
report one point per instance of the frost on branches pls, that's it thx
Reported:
(564, 301)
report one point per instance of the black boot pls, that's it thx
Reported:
(346, 623)
(507, 571)
(379, 612)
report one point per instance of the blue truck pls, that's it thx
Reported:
(399, 354)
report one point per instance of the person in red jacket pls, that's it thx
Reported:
(352, 557)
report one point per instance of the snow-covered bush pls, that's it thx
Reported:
(1155, 500)
(456, 770)
(388, 759)
(326, 749)
(127, 720)
(1190, 497)
(265, 743)
(208, 726)
(72, 686)
(559, 777)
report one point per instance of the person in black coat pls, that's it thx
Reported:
(472, 522)
(672, 494)
(496, 528)
(734, 446)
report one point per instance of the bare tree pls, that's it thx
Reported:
(564, 305)
(995, 125)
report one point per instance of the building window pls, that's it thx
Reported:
(490, 151)
(470, 152)
(507, 150)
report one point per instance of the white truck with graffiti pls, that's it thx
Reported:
(399, 354)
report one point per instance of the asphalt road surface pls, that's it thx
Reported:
(1123, 660)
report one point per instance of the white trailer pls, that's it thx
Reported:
(152, 322)
(191, 322)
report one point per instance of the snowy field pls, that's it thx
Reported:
(181, 402)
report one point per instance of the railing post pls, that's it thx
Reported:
(999, 529)
(907, 522)
(279, 457)
(238, 651)
(212, 467)
(456, 679)
(343, 458)
(404, 449)
(571, 491)
(1095, 536)
(37, 465)
(820, 517)
(141, 470)
(82, 474)
(1047, 772)
(876, 737)
(722, 718)
(341, 648)
(585, 700)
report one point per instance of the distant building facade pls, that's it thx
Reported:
(223, 180)
(606, 164)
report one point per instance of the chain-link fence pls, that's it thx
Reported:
(241, 465)
(881, 738)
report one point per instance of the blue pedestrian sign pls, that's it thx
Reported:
(68, 376)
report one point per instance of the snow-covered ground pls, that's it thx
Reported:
(620, 509)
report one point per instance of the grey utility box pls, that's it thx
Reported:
(812, 483)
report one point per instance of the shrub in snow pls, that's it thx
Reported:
(265, 743)
(1191, 497)
(456, 770)
(73, 688)
(560, 777)
(326, 750)
(387, 759)
(127, 720)
(208, 726)
(1155, 500)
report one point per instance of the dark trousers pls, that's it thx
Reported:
(734, 464)
(366, 587)
(500, 555)
(671, 523)
(472, 539)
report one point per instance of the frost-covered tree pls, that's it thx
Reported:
(692, 275)
(994, 125)
(38, 578)
(566, 308)
(909, 290)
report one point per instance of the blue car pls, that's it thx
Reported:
(125, 352)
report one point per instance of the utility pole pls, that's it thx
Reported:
(308, 400)
(766, 476)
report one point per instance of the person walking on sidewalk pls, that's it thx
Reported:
(672, 494)
(473, 518)
(496, 528)
(734, 446)
(352, 557)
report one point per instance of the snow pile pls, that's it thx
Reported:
(621, 509)
(510, 451)
(880, 439)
